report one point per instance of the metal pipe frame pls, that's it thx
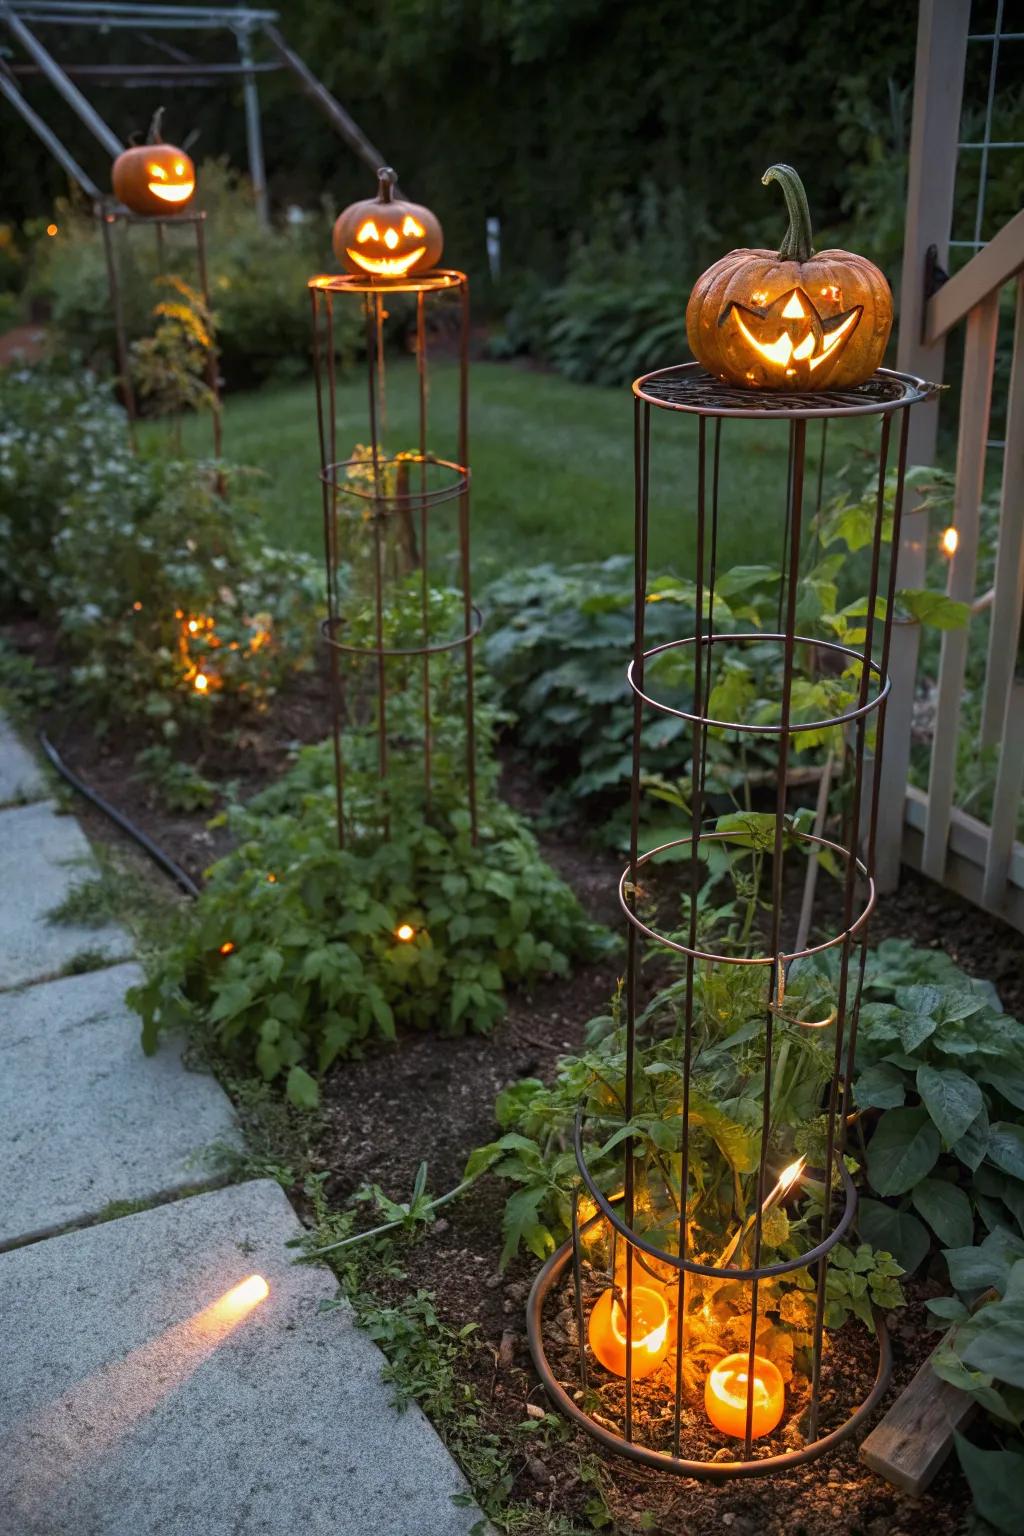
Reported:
(687, 391)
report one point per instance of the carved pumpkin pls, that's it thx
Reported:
(154, 178)
(386, 236)
(791, 319)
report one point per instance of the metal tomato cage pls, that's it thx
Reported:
(689, 397)
(112, 217)
(400, 494)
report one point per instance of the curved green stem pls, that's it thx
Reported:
(797, 242)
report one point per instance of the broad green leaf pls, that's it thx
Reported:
(976, 1269)
(904, 1148)
(301, 1089)
(997, 1347)
(950, 1308)
(996, 1479)
(947, 1210)
(1006, 1147)
(882, 1086)
(895, 1232)
(973, 1145)
(932, 608)
(952, 1099)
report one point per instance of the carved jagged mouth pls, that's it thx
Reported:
(386, 266)
(821, 340)
(180, 192)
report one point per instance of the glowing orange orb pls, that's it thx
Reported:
(404, 932)
(649, 1328)
(727, 1392)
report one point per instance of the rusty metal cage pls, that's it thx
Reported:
(389, 519)
(115, 223)
(645, 1270)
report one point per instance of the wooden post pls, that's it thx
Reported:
(1009, 581)
(938, 91)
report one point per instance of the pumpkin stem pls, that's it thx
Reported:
(796, 244)
(386, 179)
(156, 127)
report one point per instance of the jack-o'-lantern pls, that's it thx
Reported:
(154, 178)
(790, 319)
(387, 237)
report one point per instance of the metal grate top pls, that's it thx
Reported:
(688, 387)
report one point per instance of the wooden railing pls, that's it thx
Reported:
(927, 829)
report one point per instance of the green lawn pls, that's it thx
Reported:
(552, 465)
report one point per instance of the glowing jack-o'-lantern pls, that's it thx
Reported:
(154, 178)
(387, 237)
(790, 319)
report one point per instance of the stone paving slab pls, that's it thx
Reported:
(131, 1406)
(21, 778)
(42, 856)
(85, 1117)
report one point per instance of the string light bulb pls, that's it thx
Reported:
(949, 541)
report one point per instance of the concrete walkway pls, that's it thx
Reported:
(165, 1372)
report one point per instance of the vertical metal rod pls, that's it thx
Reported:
(798, 435)
(378, 554)
(120, 338)
(641, 466)
(330, 556)
(849, 890)
(332, 446)
(467, 591)
(577, 1285)
(212, 363)
(421, 379)
(253, 129)
(696, 817)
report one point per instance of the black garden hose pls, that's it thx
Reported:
(166, 863)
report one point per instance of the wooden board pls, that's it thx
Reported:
(911, 1443)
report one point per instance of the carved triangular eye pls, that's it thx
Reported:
(411, 226)
(367, 231)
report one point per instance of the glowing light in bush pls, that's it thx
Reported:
(949, 542)
(405, 932)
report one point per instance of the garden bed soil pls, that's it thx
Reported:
(432, 1099)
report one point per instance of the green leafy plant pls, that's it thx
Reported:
(942, 1061)
(169, 368)
(300, 952)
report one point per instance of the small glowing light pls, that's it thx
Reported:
(193, 626)
(949, 541)
(51, 230)
(728, 1389)
(272, 878)
(227, 948)
(200, 682)
(137, 607)
(243, 1296)
(790, 1175)
(405, 932)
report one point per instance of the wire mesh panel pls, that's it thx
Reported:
(396, 534)
(697, 1319)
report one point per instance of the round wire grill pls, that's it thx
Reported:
(425, 282)
(450, 481)
(688, 387)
